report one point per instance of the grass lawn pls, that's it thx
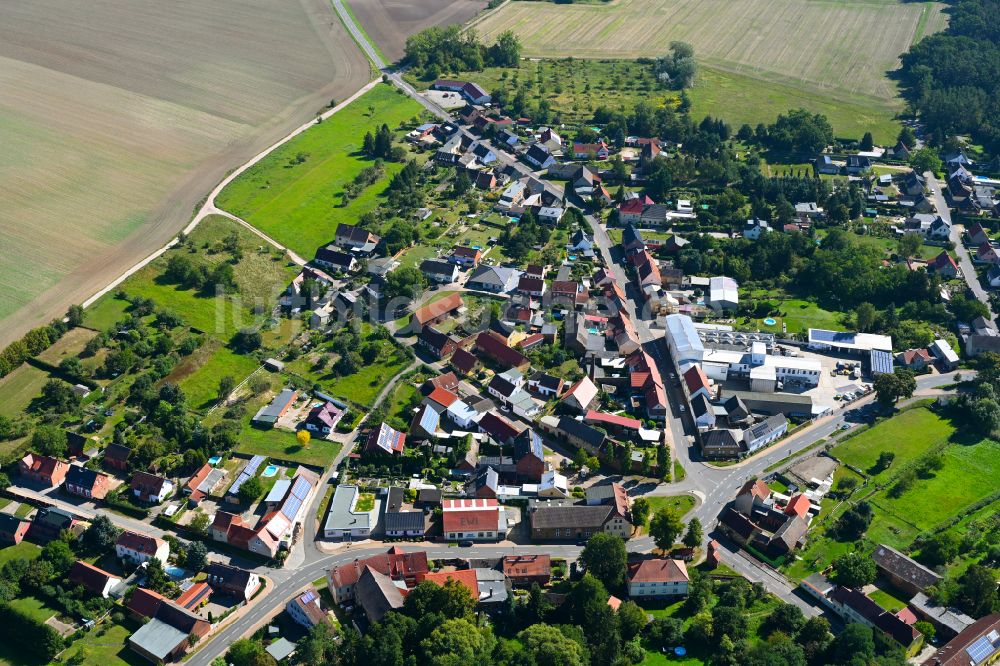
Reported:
(109, 648)
(366, 502)
(397, 405)
(23, 550)
(887, 599)
(19, 388)
(970, 473)
(23, 510)
(198, 375)
(106, 312)
(909, 435)
(282, 445)
(799, 315)
(298, 202)
(34, 607)
(679, 503)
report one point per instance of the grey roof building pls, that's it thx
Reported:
(377, 594)
(157, 640)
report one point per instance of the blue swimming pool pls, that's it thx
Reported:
(175, 572)
(269, 471)
(770, 321)
(214, 460)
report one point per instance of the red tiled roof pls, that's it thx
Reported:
(449, 303)
(141, 543)
(798, 505)
(614, 602)
(756, 487)
(695, 379)
(43, 465)
(910, 355)
(613, 419)
(467, 578)
(91, 577)
(494, 347)
(483, 520)
(515, 566)
(144, 602)
(443, 397)
(395, 564)
(658, 571)
(531, 340)
(464, 360)
(194, 595)
(445, 380)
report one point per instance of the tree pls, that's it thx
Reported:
(665, 527)
(605, 558)
(248, 652)
(640, 511)
(250, 490)
(631, 620)
(907, 137)
(548, 646)
(693, 536)
(50, 440)
(867, 142)
(977, 591)
(303, 437)
(458, 642)
(891, 387)
(865, 317)
(74, 316)
(59, 555)
(925, 159)
(730, 621)
(247, 340)
(197, 556)
(854, 570)
(885, 459)
(909, 244)
(156, 577)
(855, 644)
(226, 386)
(101, 535)
(451, 600)
(853, 522)
(786, 618)
(927, 629)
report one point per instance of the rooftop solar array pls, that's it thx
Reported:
(881, 362)
(248, 472)
(821, 335)
(980, 650)
(308, 597)
(297, 495)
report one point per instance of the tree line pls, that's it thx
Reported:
(437, 50)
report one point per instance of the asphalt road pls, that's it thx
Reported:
(957, 231)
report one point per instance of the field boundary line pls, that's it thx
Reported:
(209, 207)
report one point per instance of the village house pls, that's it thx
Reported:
(396, 564)
(944, 266)
(323, 419)
(138, 548)
(657, 578)
(492, 346)
(436, 312)
(150, 488)
(269, 414)
(439, 272)
(493, 279)
(439, 345)
(305, 609)
(12, 529)
(546, 385)
(386, 440)
(526, 570)
(356, 240)
(87, 483)
(93, 579)
(335, 259)
(914, 359)
(116, 457)
(49, 524)
(473, 520)
(169, 633)
(44, 470)
(465, 256)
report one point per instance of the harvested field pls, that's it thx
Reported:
(842, 45)
(117, 116)
(388, 22)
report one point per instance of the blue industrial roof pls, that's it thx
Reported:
(881, 362)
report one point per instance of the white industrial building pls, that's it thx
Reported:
(762, 369)
(685, 344)
(850, 342)
(723, 293)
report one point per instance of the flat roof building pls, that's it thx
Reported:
(343, 520)
(847, 341)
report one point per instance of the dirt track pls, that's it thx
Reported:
(390, 22)
(348, 71)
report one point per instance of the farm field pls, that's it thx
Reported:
(909, 435)
(298, 203)
(19, 388)
(847, 46)
(388, 24)
(117, 117)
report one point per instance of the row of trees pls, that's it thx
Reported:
(436, 50)
(37, 340)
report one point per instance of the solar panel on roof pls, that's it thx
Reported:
(980, 650)
(300, 488)
(309, 596)
(249, 471)
(291, 507)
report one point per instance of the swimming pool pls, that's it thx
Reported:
(175, 572)
(214, 460)
(770, 321)
(269, 471)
